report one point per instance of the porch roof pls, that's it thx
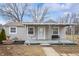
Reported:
(57, 24)
(33, 23)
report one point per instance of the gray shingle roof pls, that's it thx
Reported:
(0, 24)
(50, 21)
(14, 24)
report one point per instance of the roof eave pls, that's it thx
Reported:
(65, 24)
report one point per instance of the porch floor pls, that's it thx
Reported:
(48, 41)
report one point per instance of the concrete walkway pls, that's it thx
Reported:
(49, 51)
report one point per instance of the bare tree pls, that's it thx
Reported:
(71, 18)
(66, 18)
(13, 11)
(38, 14)
(76, 21)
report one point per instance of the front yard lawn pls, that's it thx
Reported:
(66, 49)
(21, 50)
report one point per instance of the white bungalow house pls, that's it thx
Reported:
(39, 31)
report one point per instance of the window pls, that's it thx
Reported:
(13, 30)
(30, 30)
(77, 15)
(55, 30)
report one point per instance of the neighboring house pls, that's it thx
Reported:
(40, 31)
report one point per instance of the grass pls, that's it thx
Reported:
(66, 49)
(21, 50)
(36, 50)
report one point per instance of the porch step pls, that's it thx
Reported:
(44, 44)
(18, 42)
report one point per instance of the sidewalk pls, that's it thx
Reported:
(49, 51)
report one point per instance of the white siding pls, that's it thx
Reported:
(21, 33)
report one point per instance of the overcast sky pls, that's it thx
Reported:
(55, 10)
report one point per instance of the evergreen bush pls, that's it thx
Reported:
(2, 35)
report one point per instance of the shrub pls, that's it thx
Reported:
(0, 38)
(2, 35)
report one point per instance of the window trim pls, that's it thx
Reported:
(12, 32)
(33, 31)
(58, 31)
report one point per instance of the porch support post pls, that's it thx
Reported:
(49, 34)
(64, 32)
(27, 31)
(72, 33)
(28, 37)
(36, 31)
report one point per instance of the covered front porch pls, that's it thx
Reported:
(46, 33)
(50, 42)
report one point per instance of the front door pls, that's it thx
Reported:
(41, 33)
